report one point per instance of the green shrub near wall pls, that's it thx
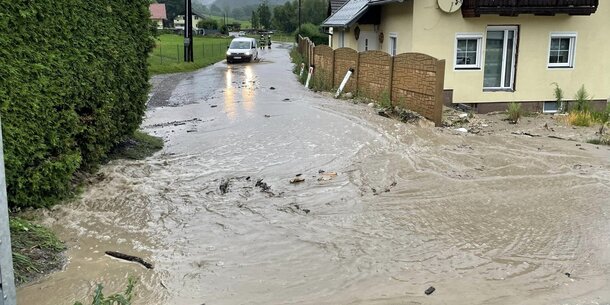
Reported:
(73, 83)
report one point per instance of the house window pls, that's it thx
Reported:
(562, 49)
(500, 58)
(550, 107)
(393, 43)
(366, 44)
(341, 39)
(468, 51)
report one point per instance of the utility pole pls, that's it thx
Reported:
(8, 295)
(299, 17)
(188, 32)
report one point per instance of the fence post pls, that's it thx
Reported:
(357, 80)
(8, 294)
(439, 94)
(391, 85)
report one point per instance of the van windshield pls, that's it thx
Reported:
(240, 45)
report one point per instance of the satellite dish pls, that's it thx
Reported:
(449, 6)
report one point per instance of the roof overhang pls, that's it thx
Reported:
(351, 11)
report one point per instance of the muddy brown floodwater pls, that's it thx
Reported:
(485, 219)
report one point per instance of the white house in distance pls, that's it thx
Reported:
(158, 14)
(179, 21)
(496, 52)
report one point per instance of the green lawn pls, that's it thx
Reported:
(168, 55)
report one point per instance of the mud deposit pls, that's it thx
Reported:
(484, 219)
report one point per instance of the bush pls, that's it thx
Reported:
(558, 93)
(319, 80)
(582, 98)
(313, 32)
(514, 112)
(297, 60)
(74, 83)
(115, 299)
(385, 101)
(580, 118)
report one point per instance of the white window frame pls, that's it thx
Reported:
(550, 111)
(513, 75)
(573, 36)
(393, 47)
(470, 36)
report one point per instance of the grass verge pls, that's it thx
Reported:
(36, 250)
(168, 54)
(139, 146)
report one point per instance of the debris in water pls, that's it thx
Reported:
(130, 258)
(297, 180)
(321, 171)
(286, 99)
(263, 185)
(272, 88)
(567, 274)
(461, 129)
(327, 176)
(190, 130)
(430, 290)
(179, 124)
(383, 113)
(214, 106)
(298, 175)
(267, 116)
(224, 186)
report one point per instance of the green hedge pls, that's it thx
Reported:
(73, 83)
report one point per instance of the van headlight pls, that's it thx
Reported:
(228, 53)
(248, 53)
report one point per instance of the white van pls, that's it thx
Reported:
(242, 49)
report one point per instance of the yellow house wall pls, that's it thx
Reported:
(350, 38)
(434, 34)
(398, 19)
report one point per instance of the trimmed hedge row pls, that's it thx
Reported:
(73, 83)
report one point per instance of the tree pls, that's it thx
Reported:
(208, 24)
(285, 17)
(254, 20)
(314, 11)
(264, 15)
(215, 10)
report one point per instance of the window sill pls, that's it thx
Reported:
(466, 69)
(498, 90)
(560, 67)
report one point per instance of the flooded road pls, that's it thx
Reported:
(484, 219)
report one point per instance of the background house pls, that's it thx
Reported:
(158, 14)
(510, 51)
(179, 21)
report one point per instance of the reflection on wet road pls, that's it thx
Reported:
(484, 219)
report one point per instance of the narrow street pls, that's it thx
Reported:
(483, 219)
